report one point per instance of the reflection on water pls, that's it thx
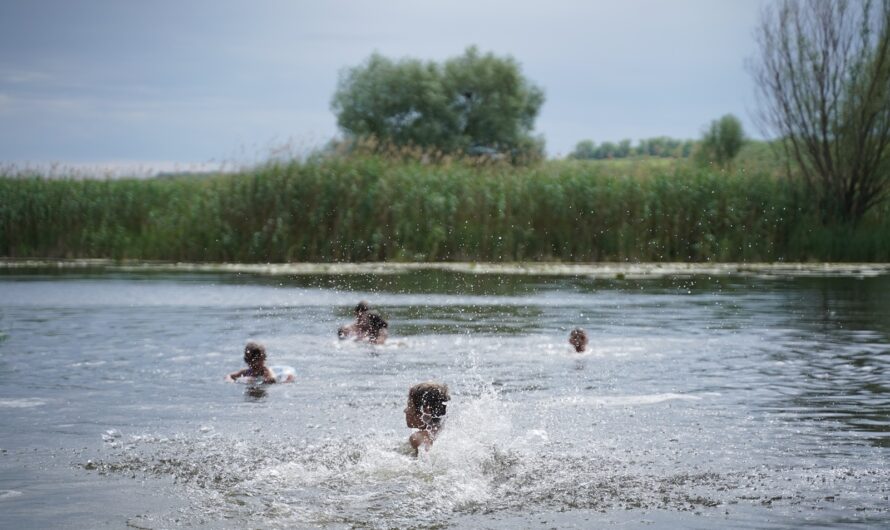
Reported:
(255, 392)
(757, 402)
(835, 367)
(505, 320)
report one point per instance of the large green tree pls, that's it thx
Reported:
(722, 141)
(471, 103)
(824, 80)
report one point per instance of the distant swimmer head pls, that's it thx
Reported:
(578, 339)
(362, 309)
(254, 354)
(426, 405)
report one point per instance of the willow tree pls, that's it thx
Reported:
(824, 83)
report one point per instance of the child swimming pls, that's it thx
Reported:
(377, 329)
(359, 328)
(255, 357)
(368, 325)
(425, 411)
(578, 339)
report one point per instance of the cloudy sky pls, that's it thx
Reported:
(184, 83)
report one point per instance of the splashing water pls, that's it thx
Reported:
(480, 464)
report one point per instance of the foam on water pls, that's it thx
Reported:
(621, 401)
(602, 270)
(480, 463)
(22, 403)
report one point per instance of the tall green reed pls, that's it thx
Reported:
(374, 208)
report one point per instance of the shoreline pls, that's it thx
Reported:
(605, 270)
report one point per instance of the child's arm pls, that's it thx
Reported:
(235, 375)
(268, 376)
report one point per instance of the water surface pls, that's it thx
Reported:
(703, 401)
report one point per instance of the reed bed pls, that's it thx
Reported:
(376, 208)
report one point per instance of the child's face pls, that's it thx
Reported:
(412, 417)
(257, 362)
(579, 341)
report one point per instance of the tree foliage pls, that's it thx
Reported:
(660, 146)
(824, 81)
(471, 103)
(722, 141)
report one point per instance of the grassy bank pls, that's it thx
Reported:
(373, 209)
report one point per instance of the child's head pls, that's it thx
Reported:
(578, 339)
(361, 313)
(426, 405)
(375, 324)
(254, 354)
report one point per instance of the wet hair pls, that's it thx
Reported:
(432, 395)
(254, 351)
(578, 338)
(362, 307)
(375, 324)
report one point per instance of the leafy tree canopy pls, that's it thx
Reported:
(474, 102)
(722, 141)
(660, 146)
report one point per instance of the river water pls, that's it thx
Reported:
(734, 401)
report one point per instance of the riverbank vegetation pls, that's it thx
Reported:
(370, 207)
(824, 84)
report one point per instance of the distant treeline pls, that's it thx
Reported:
(372, 208)
(661, 146)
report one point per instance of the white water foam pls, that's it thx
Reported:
(9, 494)
(593, 270)
(21, 403)
(481, 463)
(621, 401)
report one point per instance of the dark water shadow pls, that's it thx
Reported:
(255, 392)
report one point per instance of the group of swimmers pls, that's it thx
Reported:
(425, 410)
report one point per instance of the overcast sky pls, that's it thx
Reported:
(182, 83)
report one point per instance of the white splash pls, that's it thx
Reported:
(621, 401)
(21, 403)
